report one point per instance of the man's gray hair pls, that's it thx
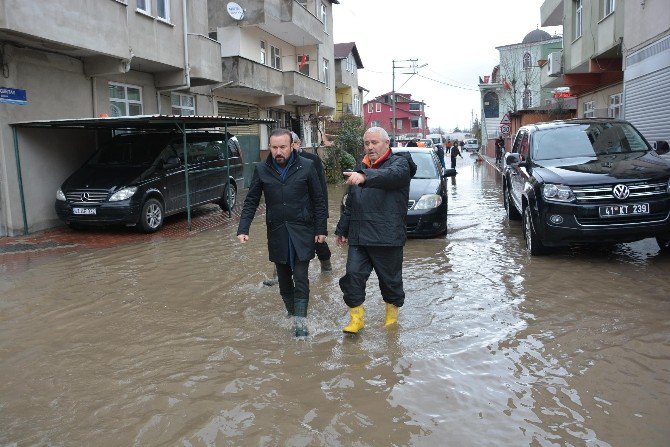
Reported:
(295, 136)
(381, 131)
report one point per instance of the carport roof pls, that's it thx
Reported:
(143, 122)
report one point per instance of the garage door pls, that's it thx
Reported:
(646, 104)
(248, 136)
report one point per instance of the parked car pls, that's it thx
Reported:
(428, 200)
(138, 179)
(427, 142)
(471, 145)
(586, 180)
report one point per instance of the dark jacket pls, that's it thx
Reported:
(375, 212)
(295, 207)
(318, 164)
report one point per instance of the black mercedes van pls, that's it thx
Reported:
(138, 178)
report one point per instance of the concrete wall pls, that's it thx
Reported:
(600, 98)
(644, 23)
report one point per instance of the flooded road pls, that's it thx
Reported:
(177, 342)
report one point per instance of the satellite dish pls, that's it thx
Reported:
(235, 11)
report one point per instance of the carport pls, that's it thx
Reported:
(140, 123)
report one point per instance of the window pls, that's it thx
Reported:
(263, 53)
(378, 106)
(608, 7)
(374, 124)
(183, 104)
(324, 17)
(163, 9)
(357, 105)
(124, 100)
(303, 64)
(414, 106)
(275, 57)
(578, 19)
(589, 109)
(144, 6)
(326, 74)
(415, 123)
(526, 61)
(398, 124)
(615, 108)
(527, 99)
(370, 107)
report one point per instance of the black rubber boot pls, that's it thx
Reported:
(300, 317)
(326, 266)
(290, 306)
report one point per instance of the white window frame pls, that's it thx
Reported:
(589, 109)
(415, 106)
(370, 107)
(398, 123)
(166, 7)
(182, 97)
(275, 57)
(127, 102)
(579, 17)
(264, 53)
(615, 107)
(326, 73)
(374, 124)
(324, 17)
(608, 7)
(299, 60)
(378, 107)
(418, 122)
(357, 105)
(146, 8)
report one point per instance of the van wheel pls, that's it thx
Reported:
(510, 209)
(227, 203)
(151, 218)
(533, 244)
(663, 243)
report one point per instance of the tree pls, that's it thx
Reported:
(347, 147)
(476, 130)
(520, 77)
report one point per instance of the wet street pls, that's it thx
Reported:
(177, 342)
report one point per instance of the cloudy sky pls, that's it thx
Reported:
(456, 39)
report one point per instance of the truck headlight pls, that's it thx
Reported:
(428, 201)
(123, 194)
(60, 196)
(557, 193)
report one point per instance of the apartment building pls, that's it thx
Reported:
(348, 94)
(278, 62)
(591, 60)
(410, 115)
(83, 59)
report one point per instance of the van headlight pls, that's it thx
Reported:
(428, 201)
(60, 196)
(557, 193)
(123, 194)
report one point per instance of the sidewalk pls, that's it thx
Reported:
(491, 161)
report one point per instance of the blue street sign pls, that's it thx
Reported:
(11, 95)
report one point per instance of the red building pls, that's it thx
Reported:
(410, 115)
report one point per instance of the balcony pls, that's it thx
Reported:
(204, 59)
(251, 78)
(302, 90)
(551, 13)
(288, 20)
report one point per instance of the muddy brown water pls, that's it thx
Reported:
(177, 342)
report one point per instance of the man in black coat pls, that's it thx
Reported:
(322, 250)
(373, 225)
(295, 217)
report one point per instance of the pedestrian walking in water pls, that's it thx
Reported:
(500, 148)
(373, 225)
(295, 217)
(454, 152)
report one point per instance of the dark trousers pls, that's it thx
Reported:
(453, 162)
(387, 263)
(322, 251)
(294, 286)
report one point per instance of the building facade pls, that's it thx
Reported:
(348, 93)
(410, 116)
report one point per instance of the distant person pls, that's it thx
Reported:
(412, 143)
(440, 154)
(420, 144)
(448, 146)
(500, 148)
(295, 218)
(454, 152)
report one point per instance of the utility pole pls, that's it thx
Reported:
(414, 68)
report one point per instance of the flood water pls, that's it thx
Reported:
(177, 342)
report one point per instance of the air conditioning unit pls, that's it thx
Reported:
(554, 65)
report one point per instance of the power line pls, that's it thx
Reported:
(446, 83)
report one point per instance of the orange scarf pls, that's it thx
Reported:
(380, 160)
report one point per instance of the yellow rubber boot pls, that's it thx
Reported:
(391, 314)
(355, 320)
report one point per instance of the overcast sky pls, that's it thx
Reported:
(457, 40)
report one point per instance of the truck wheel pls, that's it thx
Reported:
(533, 243)
(151, 218)
(227, 203)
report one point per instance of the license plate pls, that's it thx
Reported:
(83, 210)
(624, 210)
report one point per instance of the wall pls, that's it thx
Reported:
(601, 99)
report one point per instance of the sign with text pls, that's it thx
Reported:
(11, 95)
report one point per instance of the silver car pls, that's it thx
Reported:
(471, 145)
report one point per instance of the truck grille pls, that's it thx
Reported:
(603, 193)
(87, 196)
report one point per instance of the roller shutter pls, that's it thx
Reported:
(240, 111)
(646, 104)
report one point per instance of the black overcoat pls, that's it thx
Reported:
(294, 207)
(374, 213)
(318, 164)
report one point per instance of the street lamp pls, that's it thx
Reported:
(414, 68)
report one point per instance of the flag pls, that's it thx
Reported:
(303, 61)
(506, 85)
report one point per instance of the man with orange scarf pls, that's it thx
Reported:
(373, 225)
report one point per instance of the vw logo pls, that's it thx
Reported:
(621, 192)
(85, 197)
